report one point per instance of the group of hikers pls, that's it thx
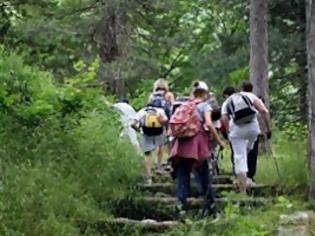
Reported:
(189, 128)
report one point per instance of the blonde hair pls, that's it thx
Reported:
(160, 84)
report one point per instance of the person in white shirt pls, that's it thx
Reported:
(243, 135)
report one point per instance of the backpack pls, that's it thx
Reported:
(151, 125)
(159, 101)
(178, 102)
(216, 109)
(241, 108)
(185, 122)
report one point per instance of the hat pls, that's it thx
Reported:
(201, 85)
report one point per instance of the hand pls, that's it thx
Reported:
(161, 119)
(221, 144)
(269, 134)
(135, 127)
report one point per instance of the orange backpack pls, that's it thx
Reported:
(185, 122)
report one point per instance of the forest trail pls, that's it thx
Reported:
(153, 209)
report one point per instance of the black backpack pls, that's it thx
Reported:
(159, 101)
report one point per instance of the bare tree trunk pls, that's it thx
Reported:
(310, 6)
(112, 38)
(259, 57)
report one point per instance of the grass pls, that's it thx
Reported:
(290, 157)
(255, 222)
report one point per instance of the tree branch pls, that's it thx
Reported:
(80, 10)
(173, 64)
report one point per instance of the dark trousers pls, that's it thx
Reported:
(252, 160)
(204, 181)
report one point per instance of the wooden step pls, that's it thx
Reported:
(169, 188)
(198, 202)
(220, 179)
(147, 223)
(117, 225)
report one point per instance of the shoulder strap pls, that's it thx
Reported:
(230, 106)
(247, 100)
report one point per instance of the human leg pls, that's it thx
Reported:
(205, 182)
(252, 160)
(183, 181)
(232, 158)
(159, 157)
(148, 166)
(240, 155)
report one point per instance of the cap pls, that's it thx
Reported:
(202, 86)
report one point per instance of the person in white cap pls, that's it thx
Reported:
(193, 152)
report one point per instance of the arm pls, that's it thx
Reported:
(260, 106)
(226, 122)
(214, 133)
(135, 125)
(170, 97)
(163, 118)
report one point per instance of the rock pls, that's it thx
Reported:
(295, 224)
(293, 231)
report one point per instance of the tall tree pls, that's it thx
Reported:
(259, 53)
(310, 13)
(259, 47)
(112, 38)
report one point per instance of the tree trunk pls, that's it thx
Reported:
(112, 37)
(259, 58)
(310, 6)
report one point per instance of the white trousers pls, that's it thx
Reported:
(242, 139)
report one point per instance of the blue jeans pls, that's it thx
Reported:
(203, 179)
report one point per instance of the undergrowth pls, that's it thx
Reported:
(62, 161)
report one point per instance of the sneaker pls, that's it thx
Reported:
(180, 212)
(148, 181)
(160, 171)
(250, 183)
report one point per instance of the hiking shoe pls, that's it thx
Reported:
(181, 212)
(168, 169)
(160, 171)
(148, 181)
(250, 183)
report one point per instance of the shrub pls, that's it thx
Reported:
(61, 157)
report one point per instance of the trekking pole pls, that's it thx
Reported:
(276, 162)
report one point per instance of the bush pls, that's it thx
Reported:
(59, 165)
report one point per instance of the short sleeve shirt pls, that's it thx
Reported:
(251, 96)
(202, 108)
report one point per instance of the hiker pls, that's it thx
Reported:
(127, 114)
(190, 125)
(227, 92)
(150, 121)
(252, 156)
(215, 117)
(239, 116)
(162, 98)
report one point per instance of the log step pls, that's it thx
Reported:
(147, 223)
(169, 188)
(220, 179)
(118, 225)
(198, 202)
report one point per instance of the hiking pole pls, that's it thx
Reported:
(276, 162)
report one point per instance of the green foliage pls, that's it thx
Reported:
(253, 222)
(66, 166)
(290, 156)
